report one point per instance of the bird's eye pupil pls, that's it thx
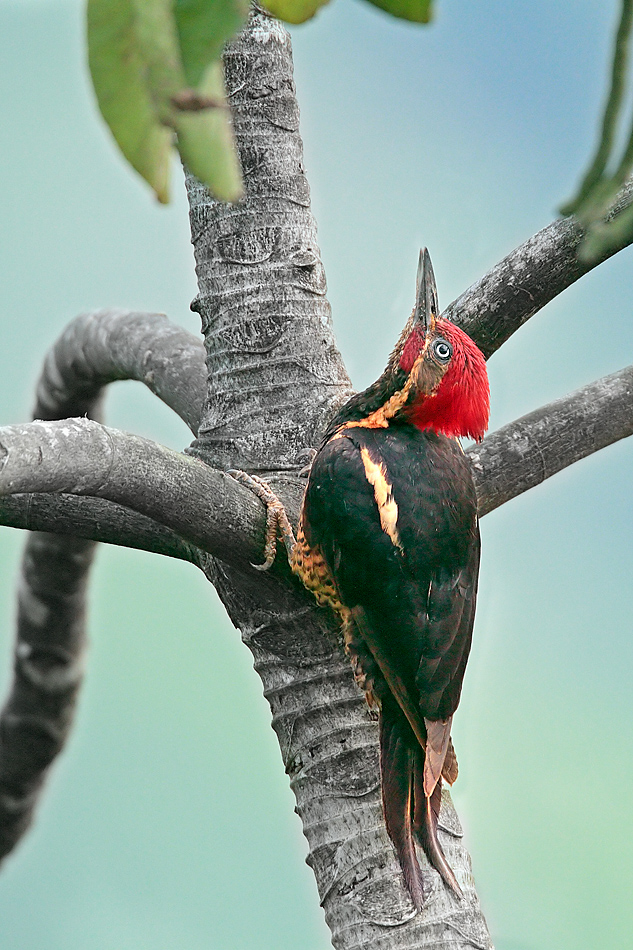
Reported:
(443, 350)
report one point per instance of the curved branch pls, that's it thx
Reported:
(526, 452)
(209, 510)
(94, 350)
(520, 285)
(47, 674)
(206, 508)
(108, 345)
(93, 519)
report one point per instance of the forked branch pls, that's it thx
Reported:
(209, 511)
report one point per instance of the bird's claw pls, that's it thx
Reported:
(277, 522)
(265, 566)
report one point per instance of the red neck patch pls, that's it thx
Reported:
(461, 405)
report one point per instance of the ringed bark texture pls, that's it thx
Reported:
(274, 370)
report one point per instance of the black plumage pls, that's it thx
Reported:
(392, 512)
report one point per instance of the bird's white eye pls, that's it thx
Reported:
(442, 350)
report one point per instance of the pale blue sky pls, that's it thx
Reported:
(169, 823)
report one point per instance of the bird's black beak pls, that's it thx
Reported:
(426, 305)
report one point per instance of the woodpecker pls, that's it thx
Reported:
(388, 537)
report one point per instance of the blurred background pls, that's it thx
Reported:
(168, 822)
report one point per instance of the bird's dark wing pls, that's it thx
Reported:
(394, 516)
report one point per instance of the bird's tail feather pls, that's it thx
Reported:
(397, 784)
(409, 814)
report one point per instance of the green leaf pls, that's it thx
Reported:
(419, 11)
(119, 66)
(136, 66)
(293, 11)
(155, 27)
(612, 111)
(607, 237)
(204, 26)
(206, 143)
(297, 11)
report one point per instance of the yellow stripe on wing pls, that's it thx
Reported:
(376, 475)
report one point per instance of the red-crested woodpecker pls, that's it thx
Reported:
(389, 538)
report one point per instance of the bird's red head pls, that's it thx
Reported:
(436, 377)
(449, 381)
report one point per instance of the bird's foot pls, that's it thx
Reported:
(277, 523)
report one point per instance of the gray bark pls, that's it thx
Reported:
(181, 507)
(274, 378)
(48, 670)
(94, 519)
(275, 374)
(529, 450)
(204, 507)
(100, 348)
(141, 494)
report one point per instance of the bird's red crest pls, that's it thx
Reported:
(460, 406)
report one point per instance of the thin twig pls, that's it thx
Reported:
(611, 115)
